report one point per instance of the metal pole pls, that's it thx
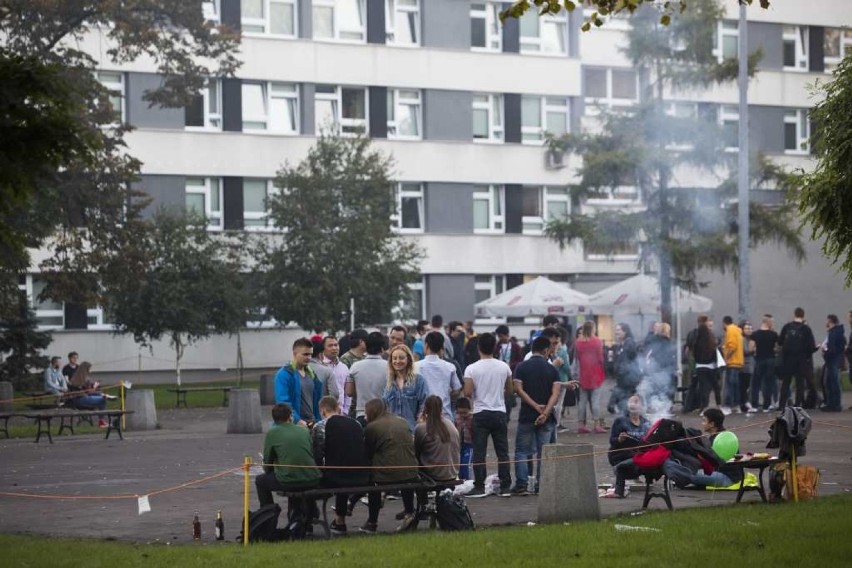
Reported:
(351, 314)
(246, 470)
(743, 173)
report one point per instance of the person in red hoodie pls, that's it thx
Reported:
(590, 360)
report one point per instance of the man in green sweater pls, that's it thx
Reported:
(286, 444)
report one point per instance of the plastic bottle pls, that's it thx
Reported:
(196, 527)
(219, 526)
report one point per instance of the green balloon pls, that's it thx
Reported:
(726, 444)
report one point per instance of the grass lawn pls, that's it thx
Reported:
(813, 533)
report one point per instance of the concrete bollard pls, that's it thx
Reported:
(568, 488)
(7, 394)
(144, 416)
(267, 390)
(244, 412)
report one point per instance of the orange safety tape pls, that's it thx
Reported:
(833, 425)
(72, 394)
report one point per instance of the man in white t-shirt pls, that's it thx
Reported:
(487, 383)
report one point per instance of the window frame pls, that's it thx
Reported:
(335, 21)
(844, 39)
(559, 20)
(495, 196)
(392, 9)
(115, 87)
(268, 226)
(266, 23)
(206, 190)
(547, 194)
(495, 286)
(396, 101)
(799, 35)
(610, 101)
(40, 313)
(490, 16)
(267, 93)
(544, 107)
(212, 120)
(494, 106)
(336, 98)
(211, 10)
(798, 117)
(723, 30)
(729, 113)
(409, 190)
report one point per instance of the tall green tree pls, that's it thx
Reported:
(335, 209)
(22, 347)
(826, 193)
(683, 229)
(65, 173)
(178, 281)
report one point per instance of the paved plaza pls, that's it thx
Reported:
(192, 445)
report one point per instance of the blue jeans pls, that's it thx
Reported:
(715, 479)
(832, 385)
(732, 387)
(763, 381)
(528, 442)
(465, 469)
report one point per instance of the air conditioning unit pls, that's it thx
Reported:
(554, 160)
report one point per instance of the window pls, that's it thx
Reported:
(729, 120)
(543, 114)
(205, 110)
(256, 193)
(402, 22)
(488, 207)
(796, 132)
(544, 34)
(404, 116)
(99, 317)
(409, 208)
(276, 17)
(412, 307)
(485, 32)
(680, 138)
(340, 19)
(486, 287)
(618, 195)
(837, 43)
(541, 205)
(114, 82)
(211, 11)
(271, 106)
(611, 88)
(49, 313)
(796, 48)
(487, 117)
(342, 108)
(727, 40)
(204, 197)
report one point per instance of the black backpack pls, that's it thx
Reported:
(452, 513)
(263, 525)
(663, 431)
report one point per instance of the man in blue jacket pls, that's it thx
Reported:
(297, 385)
(832, 352)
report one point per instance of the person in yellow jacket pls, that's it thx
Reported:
(732, 349)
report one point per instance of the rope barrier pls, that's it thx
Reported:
(64, 396)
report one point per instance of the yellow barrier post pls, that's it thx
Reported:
(794, 475)
(123, 416)
(247, 468)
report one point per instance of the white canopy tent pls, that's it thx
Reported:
(539, 297)
(640, 295)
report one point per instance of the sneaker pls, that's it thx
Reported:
(600, 430)
(477, 493)
(611, 494)
(562, 429)
(110, 396)
(392, 496)
(504, 492)
(520, 492)
(407, 523)
(401, 515)
(102, 423)
(725, 410)
(749, 407)
(583, 430)
(339, 530)
(369, 528)
(736, 410)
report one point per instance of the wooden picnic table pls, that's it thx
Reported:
(181, 393)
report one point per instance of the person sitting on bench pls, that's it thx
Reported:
(338, 441)
(287, 444)
(390, 448)
(626, 434)
(714, 471)
(436, 445)
(54, 381)
(84, 397)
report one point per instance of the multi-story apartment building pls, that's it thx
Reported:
(462, 103)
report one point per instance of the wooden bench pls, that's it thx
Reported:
(422, 512)
(44, 419)
(181, 393)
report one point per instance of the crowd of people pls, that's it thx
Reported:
(74, 386)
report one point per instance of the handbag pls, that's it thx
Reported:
(720, 360)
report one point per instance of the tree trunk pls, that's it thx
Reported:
(179, 348)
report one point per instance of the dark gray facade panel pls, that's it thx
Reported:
(511, 34)
(514, 208)
(512, 109)
(306, 19)
(231, 14)
(578, 108)
(447, 115)
(449, 208)
(376, 32)
(450, 295)
(816, 48)
(232, 200)
(767, 37)
(766, 129)
(306, 109)
(165, 191)
(575, 20)
(446, 23)
(139, 114)
(378, 117)
(232, 105)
